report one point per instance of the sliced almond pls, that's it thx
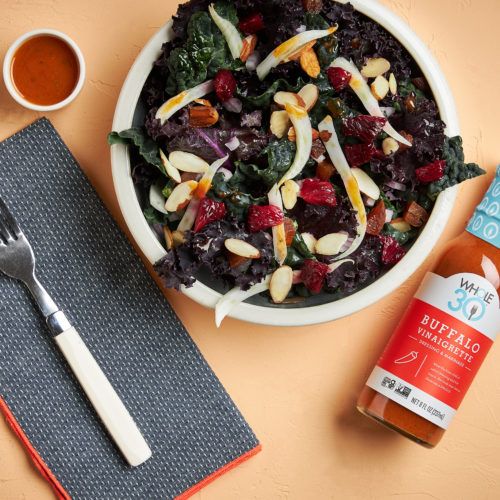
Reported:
(282, 98)
(292, 136)
(366, 184)
(203, 116)
(248, 47)
(180, 196)
(289, 192)
(236, 260)
(280, 123)
(281, 283)
(375, 66)
(310, 241)
(296, 55)
(330, 244)
(401, 225)
(393, 84)
(169, 239)
(178, 238)
(389, 146)
(241, 248)
(309, 63)
(188, 162)
(309, 94)
(172, 172)
(380, 87)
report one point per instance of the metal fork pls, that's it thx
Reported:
(17, 260)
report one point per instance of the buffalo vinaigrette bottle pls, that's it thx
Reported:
(444, 336)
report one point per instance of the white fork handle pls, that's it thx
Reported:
(104, 398)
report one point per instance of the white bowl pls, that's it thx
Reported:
(306, 315)
(7, 74)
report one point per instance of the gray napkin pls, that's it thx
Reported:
(93, 274)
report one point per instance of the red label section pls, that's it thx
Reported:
(435, 352)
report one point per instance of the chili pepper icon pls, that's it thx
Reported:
(408, 358)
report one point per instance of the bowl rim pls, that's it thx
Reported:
(390, 281)
(7, 73)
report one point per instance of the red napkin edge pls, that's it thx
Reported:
(62, 494)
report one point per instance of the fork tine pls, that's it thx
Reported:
(7, 220)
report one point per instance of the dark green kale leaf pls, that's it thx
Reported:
(154, 217)
(299, 244)
(203, 54)
(280, 155)
(137, 136)
(264, 99)
(456, 169)
(401, 237)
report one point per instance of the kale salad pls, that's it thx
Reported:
(290, 148)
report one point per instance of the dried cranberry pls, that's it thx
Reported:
(339, 78)
(432, 172)
(314, 6)
(225, 84)
(263, 217)
(364, 127)
(313, 274)
(252, 24)
(376, 219)
(209, 211)
(392, 251)
(359, 154)
(318, 192)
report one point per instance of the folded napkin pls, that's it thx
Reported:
(93, 274)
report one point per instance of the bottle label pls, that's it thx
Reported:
(439, 345)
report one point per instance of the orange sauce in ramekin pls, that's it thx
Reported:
(45, 70)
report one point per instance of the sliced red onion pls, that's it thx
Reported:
(490, 271)
(233, 143)
(388, 111)
(369, 202)
(391, 197)
(253, 61)
(225, 172)
(396, 185)
(388, 215)
(346, 245)
(233, 105)
(301, 28)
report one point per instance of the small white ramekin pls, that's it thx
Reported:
(7, 72)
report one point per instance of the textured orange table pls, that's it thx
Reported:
(296, 387)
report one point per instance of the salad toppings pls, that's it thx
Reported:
(313, 274)
(318, 192)
(339, 78)
(262, 217)
(375, 67)
(187, 162)
(174, 104)
(268, 189)
(229, 31)
(241, 248)
(180, 196)
(360, 87)
(432, 172)
(283, 51)
(330, 244)
(281, 284)
(224, 85)
(376, 219)
(209, 211)
(251, 24)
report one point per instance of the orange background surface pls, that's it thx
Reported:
(296, 387)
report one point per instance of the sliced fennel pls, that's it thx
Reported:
(351, 185)
(279, 235)
(303, 131)
(236, 296)
(168, 108)
(362, 90)
(204, 185)
(229, 31)
(287, 48)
